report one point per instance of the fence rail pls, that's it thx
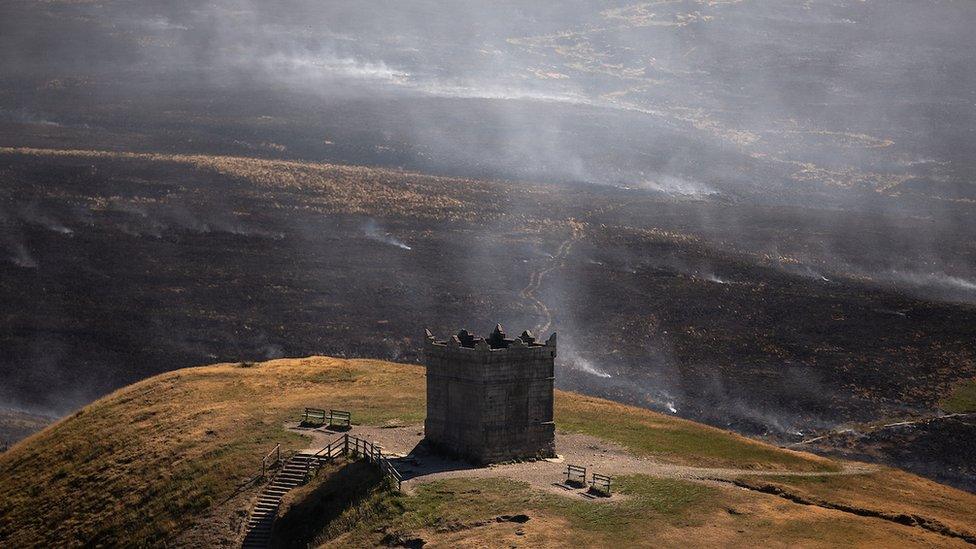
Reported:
(276, 452)
(374, 454)
(344, 445)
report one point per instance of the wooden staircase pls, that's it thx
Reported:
(294, 472)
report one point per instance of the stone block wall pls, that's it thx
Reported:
(490, 400)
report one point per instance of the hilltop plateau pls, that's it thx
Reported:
(136, 464)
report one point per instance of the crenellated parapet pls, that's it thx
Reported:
(497, 341)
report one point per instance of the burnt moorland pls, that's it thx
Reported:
(759, 215)
(122, 266)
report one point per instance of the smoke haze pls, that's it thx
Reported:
(703, 152)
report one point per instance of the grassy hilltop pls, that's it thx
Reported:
(171, 460)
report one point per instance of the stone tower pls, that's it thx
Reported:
(490, 400)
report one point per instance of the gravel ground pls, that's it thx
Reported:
(419, 466)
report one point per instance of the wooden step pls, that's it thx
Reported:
(290, 476)
(295, 471)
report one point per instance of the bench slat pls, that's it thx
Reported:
(575, 474)
(602, 482)
(314, 414)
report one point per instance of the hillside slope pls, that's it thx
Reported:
(174, 459)
(17, 424)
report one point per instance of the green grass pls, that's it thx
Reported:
(667, 497)
(962, 399)
(675, 440)
(650, 502)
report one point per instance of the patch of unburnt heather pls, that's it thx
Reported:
(962, 398)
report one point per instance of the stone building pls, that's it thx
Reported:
(490, 399)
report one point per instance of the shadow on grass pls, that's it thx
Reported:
(305, 518)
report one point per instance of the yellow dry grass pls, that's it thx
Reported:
(331, 188)
(659, 513)
(889, 490)
(134, 466)
(140, 465)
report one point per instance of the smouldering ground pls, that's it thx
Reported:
(118, 266)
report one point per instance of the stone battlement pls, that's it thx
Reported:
(494, 342)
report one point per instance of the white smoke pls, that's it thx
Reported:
(153, 222)
(311, 69)
(936, 281)
(713, 278)
(374, 232)
(21, 257)
(584, 365)
(31, 215)
(495, 91)
(677, 186)
(654, 397)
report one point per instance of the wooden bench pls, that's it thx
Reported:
(340, 419)
(314, 416)
(575, 475)
(601, 483)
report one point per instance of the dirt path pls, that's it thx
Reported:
(419, 467)
(557, 261)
